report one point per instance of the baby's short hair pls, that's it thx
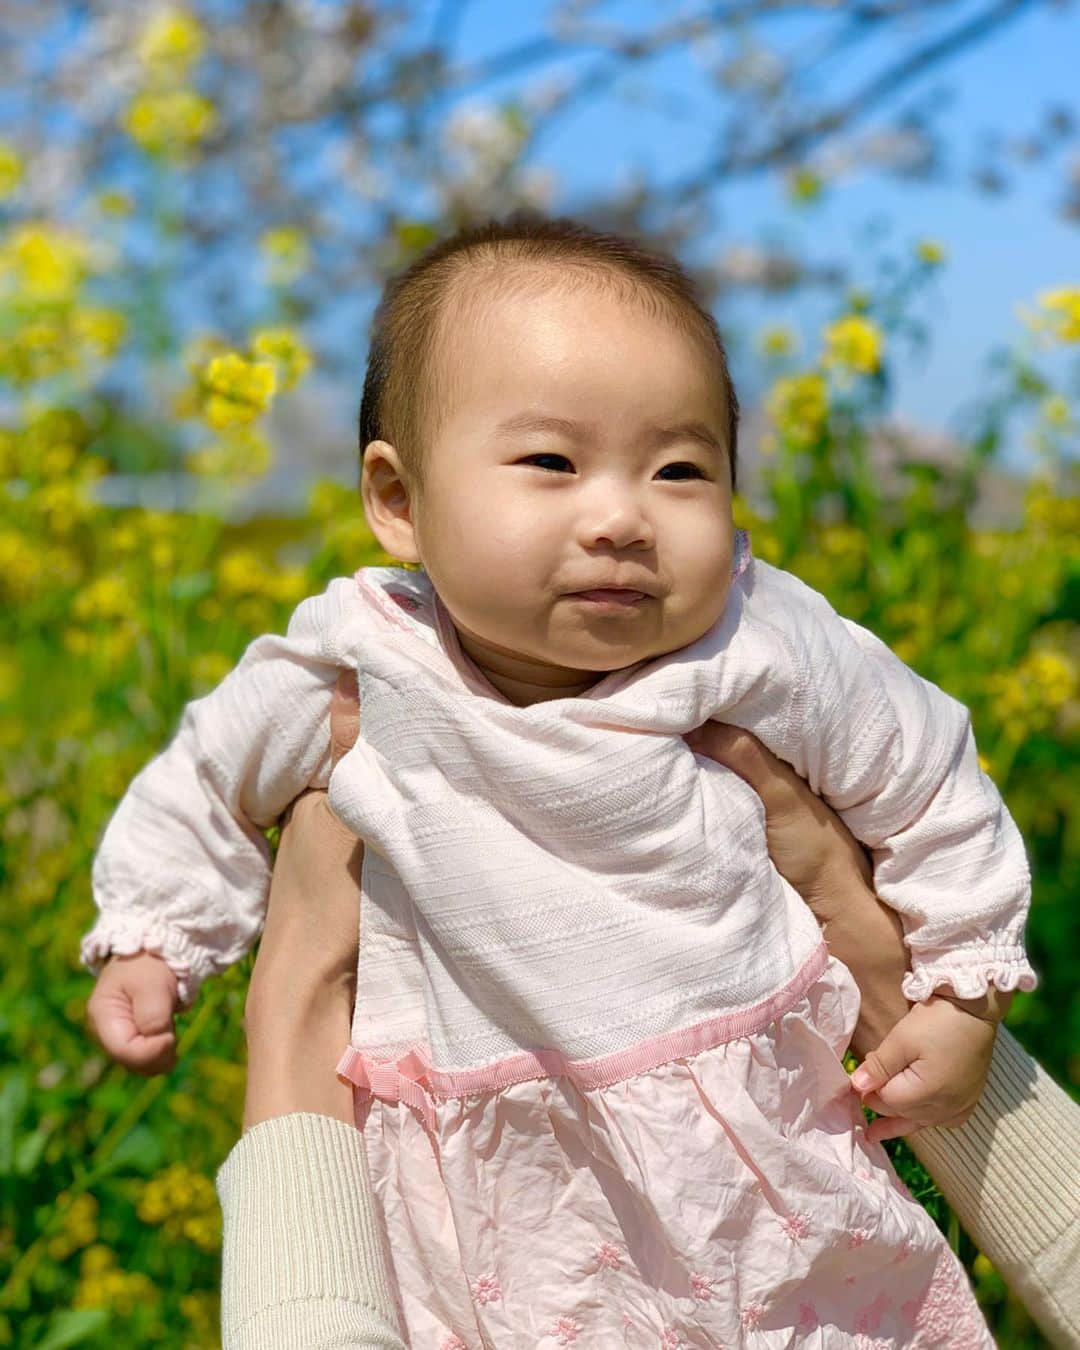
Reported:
(401, 401)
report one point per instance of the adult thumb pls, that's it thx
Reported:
(776, 783)
(344, 716)
(890, 1058)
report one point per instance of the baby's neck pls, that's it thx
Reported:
(522, 692)
(516, 678)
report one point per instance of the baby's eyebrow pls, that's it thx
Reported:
(657, 436)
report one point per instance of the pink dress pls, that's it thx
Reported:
(715, 1188)
(597, 1039)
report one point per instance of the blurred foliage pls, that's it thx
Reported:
(114, 617)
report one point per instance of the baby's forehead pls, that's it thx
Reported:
(490, 312)
(490, 305)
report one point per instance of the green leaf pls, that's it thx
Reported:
(139, 1151)
(72, 1326)
(28, 1152)
(14, 1094)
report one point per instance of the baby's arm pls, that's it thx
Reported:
(183, 869)
(895, 757)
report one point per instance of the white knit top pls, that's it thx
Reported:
(569, 874)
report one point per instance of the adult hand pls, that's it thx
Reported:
(815, 852)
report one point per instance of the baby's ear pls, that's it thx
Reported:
(384, 488)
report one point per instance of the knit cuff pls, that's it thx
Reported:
(302, 1259)
(1009, 1172)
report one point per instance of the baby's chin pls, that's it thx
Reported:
(600, 652)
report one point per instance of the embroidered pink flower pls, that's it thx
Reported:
(870, 1318)
(566, 1330)
(701, 1287)
(947, 1314)
(453, 1343)
(751, 1315)
(670, 1339)
(486, 1289)
(608, 1255)
(857, 1237)
(796, 1226)
(808, 1318)
(906, 1248)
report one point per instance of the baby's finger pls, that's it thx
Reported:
(904, 1094)
(891, 1127)
(114, 1026)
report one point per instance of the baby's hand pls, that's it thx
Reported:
(929, 1070)
(131, 1012)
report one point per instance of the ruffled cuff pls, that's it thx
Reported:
(969, 971)
(124, 934)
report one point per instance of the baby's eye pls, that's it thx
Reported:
(529, 458)
(684, 465)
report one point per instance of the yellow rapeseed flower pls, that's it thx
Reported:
(287, 251)
(777, 341)
(60, 506)
(1060, 316)
(1056, 411)
(931, 251)
(286, 350)
(169, 122)
(185, 1203)
(101, 330)
(242, 572)
(78, 1228)
(105, 598)
(804, 186)
(103, 1284)
(1063, 312)
(853, 343)
(799, 407)
(210, 668)
(171, 43)
(11, 169)
(242, 453)
(238, 390)
(115, 202)
(43, 263)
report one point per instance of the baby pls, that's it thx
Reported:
(597, 1041)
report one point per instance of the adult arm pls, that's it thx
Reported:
(303, 1266)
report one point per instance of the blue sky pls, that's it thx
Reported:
(1002, 250)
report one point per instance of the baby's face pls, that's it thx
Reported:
(583, 447)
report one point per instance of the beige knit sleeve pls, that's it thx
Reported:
(302, 1262)
(1011, 1175)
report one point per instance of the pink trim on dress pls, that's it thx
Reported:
(414, 1080)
